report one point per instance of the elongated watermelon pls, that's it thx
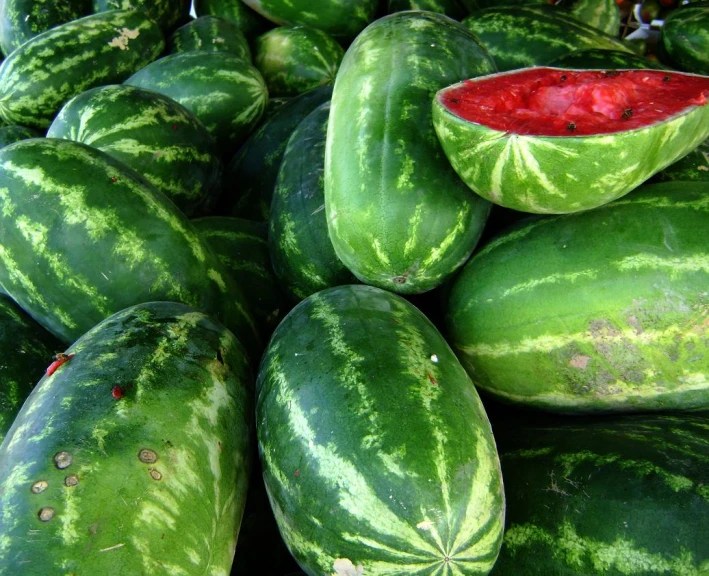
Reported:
(550, 140)
(685, 38)
(250, 22)
(600, 311)
(226, 92)
(210, 33)
(531, 35)
(377, 454)
(26, 349)
(295, 59)
(41, 75)
(151, 133)
(133, 456)
(251, 175)
(398, 215)
(612, 496)
(301, 251)
(342, 19)
(21, 20)
(82, 236)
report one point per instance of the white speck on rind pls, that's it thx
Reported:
(434, 358)
(345, 567)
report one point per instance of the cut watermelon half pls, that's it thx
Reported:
(552, 140)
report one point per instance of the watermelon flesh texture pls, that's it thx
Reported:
(552, 102)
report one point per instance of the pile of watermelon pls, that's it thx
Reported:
(354, 287)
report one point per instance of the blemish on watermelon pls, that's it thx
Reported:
(296, 473)
(432, 379)
(71, 480)
(62, 460)
(59, 359)
(117, 392)
(155, 474)
(39, 487)
(579, 361)
(46, 514)
(147, 456)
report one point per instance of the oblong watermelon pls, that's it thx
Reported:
(152, 134)
(377, 453)
(82, 236)
(133, 456)
(211, 34)
(622, 495)
(46, 71)
(599, 311)
(398, 215)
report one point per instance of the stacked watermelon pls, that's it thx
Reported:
(346, 288)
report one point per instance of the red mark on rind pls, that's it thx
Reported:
(117, 392)
(432, 379)
(296, 473)
(59, 359)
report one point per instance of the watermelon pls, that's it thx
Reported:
(210, 33)
(295, 59)
(694, 166)
(10, 134)
(241, 247)
(341, 19)
(26, 349)
(398, 215)
(21, 20)
(250, 22)
(133, 456)
(549, 140)
(623, 495)
(303, 258)
(603, 14)
(167, 13)
(377, 454)
(82, 237)
(38, 78)
(685, 38)
(251, 175)
(599, 311)
(151, 133)
(226, 92)
(531, 35)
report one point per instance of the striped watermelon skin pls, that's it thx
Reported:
(377, 453)
(603, 15)
(133, 457)
(226, 92)
(211, 34)
(26, 350)
(694, 166)
(38, 78)
(522, 172)
(685, 39)
(250, 22)
(301, 251)
(612, 496)
(522, 36)
(10, 134)
(167, 13)
(251, 175)
(341, 19)
(295, 59)
(594, 312)
(151, 133)
(241, 246)
(82, 236)
(21, 20)
(398, 215)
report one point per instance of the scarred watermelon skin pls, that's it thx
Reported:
(82, 236)
(398, 215)
(376, 450)
(45, 72)
(602, 311)
(133, 456)
(605, 496)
